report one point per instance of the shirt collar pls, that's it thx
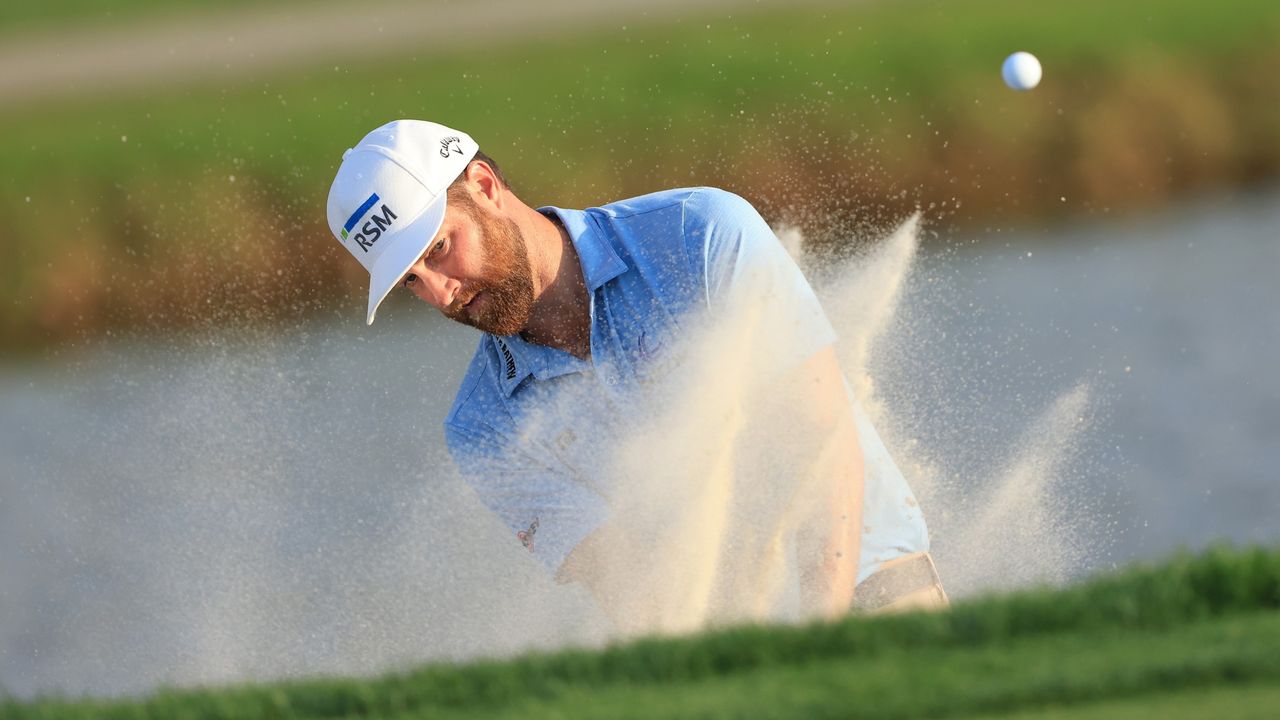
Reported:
(600, 263)
(519, 358)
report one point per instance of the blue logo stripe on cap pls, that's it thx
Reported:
(360, 211)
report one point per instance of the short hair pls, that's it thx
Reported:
(456, 185)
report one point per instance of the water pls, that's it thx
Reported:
(1171, 320)
(253, 507)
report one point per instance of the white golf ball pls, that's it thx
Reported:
(1021, 71)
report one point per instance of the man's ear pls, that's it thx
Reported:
(481, 177)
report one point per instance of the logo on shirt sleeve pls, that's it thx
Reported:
(646, 346)
(526, 536)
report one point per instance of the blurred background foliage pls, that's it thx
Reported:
(201, 200)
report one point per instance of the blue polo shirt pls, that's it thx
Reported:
(523, 425)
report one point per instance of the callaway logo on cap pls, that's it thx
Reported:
(388, 199)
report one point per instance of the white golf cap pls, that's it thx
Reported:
(388, 199)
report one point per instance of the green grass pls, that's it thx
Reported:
(51, 16)
(143, 207)
(1204, 627)
(1244, 702)
(539, 102)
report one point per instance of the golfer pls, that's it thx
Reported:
(588, 304)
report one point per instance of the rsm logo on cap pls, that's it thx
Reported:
(371, 230)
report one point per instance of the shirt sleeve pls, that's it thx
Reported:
(548, 511)
(751, 279)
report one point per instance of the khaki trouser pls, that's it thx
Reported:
(905, 584)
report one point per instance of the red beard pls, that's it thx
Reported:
(507, 284)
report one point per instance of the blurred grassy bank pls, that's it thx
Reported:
(205, 202)
(1192, 638)
(21, 18)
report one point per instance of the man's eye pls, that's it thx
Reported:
(409, 280)
(438, 246)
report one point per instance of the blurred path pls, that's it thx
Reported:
(234, 44)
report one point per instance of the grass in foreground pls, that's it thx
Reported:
(1239, 702)
(1206, 627)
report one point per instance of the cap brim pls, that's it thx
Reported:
(403, 250)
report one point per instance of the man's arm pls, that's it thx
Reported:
(829, 499)
(823, 504)
(546, 510)
(792, 386)
(752, 280)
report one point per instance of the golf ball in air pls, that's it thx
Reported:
(1021, 71)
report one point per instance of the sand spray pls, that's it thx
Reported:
(280, 505)
(709, 489)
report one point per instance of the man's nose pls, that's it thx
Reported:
(436, 288)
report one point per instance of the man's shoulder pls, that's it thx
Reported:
(691, 201)
(681, 221)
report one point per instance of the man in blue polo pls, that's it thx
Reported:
(586, 317)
